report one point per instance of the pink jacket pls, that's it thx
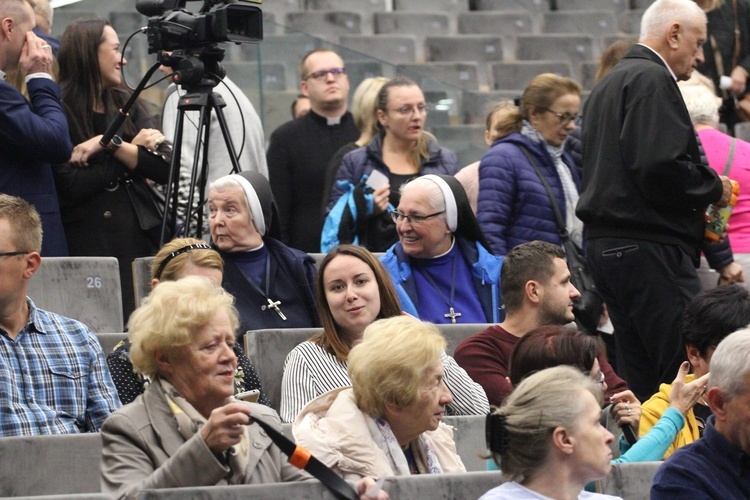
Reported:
(716, 145)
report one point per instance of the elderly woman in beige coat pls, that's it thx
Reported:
(187, 429)
(388, 423)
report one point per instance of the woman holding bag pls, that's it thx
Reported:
(105, 198)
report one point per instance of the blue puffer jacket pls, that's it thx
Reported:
(366, 159)
(513, 205)
(485, 271)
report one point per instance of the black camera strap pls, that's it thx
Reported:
(303, 459)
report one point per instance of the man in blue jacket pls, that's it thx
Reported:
(33, 135)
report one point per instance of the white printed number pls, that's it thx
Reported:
(93, 282)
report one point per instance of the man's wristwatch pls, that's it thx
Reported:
(114, 143)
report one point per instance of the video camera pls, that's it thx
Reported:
(171, 27)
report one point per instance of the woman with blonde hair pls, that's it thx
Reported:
(547, 439)
(372, 175)
(177, 259)
(364, 109)
(388, 423)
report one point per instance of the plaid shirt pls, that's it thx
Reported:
(53, 378)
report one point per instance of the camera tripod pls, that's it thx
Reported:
(198, 74)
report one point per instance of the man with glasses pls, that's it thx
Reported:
(299, 150)
(644, 193)
(33, 134)
(536, 288)
(53, 376)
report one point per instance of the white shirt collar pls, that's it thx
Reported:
(662, 60)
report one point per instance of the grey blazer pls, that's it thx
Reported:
(142, 449)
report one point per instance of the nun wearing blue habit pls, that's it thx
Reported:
(460, 285)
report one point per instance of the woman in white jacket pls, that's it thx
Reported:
(388, 423)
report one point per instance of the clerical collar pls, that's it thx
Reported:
(453, 242)
(333, 121)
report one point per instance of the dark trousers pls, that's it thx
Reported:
(646, 286)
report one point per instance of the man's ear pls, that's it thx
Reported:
(717, 402)
(33, 261)
(673, 36)
(6, 26)
(533, 291)
(303, 88)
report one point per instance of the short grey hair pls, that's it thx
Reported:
(702, 104)
(664, 12)
(730, 364)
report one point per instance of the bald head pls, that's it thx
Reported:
(676, 30)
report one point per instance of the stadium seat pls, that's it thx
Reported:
(527, 5)
(431, 76)
(396, 49)
(326, 25)
(588, 74)
(516, 75)
(591, 22)
(82, 288)
(497, 23)
(458, 48)
(615, 6)
(431, 5)
(333, 5)
(629, 21)
(546, 47)
(412, 23)
(62, 464)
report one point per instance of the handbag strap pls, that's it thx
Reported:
(730, 158)
(555, 207)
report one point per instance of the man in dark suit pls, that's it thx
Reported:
(33, 134)
(644, 193)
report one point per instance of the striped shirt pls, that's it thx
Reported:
(53, 378)
(310, 371)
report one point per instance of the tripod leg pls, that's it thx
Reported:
(218, 103)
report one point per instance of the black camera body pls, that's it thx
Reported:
(171, 27)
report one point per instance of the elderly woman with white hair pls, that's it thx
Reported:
(388, 423)
(272, 283)
(442, 265)
(547, 439)
(727, 156)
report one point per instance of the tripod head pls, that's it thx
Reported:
(195, 70)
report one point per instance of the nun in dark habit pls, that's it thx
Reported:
(442, 265)
(273, 285)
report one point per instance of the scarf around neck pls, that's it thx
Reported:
(573, 224)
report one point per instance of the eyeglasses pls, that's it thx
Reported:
(599, 379)
(323, 74)
(11, 254)
(420, 109)
(414, 220)
(565, 118)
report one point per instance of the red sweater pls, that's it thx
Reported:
(486, 358)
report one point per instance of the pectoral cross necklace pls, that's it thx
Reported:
(270, 303)
(452, 314)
